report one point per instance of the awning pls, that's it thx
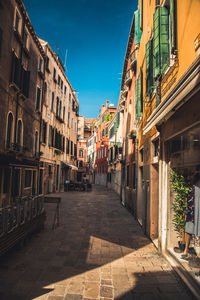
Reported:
(69, 166)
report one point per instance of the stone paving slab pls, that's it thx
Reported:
(98, 252)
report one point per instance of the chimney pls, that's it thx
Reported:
(107, 101)
(102, 108)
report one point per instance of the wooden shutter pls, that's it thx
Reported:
(136, 98)
(138, 31)
(156, 44)
(173, 28)
(164, 38)
(139, 95)
(148, 71)
(160, 41)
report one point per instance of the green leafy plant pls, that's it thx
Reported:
(179, 205)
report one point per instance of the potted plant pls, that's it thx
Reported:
(179, 205)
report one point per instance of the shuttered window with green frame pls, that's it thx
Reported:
(149, 67)
(106, 131)
(173, 25)
(138, 31)
(139, 95)
(160, 40)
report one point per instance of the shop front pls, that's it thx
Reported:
(180, 191)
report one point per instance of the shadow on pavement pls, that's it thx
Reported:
(94, 231)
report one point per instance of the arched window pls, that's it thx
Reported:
(9, 130)
(19, 132)
(36, 143)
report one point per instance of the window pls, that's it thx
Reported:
(65, 90)
(67, 146)
(19, 133)
(64, 114)
(160, 40)
(81, 153)
(106, 131)
(41, 182)
(52, 101)
(139, 95)
(141, 155)
(59, 80)
(60, 109)
(72, 148)
(149, 68)
(36, 144)
(47, 63)
(61, 84)
(38, 99)
(75, 150)
(9, 130)
(156, 147)
(17, 25)
(50, 135)
(57, 107)
(105, 151)
(63, 144)
(102, 152)
(138, 31)
(44, 132)
(25, 39)
(68, 120)
(40, 65)
(54, 74)
(103, 133)
(28, 177)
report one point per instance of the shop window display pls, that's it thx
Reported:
(183, 154)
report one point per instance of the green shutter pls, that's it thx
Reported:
(164, 37)
(138, 31)
(148, 71)
(139, 95)
(106, 131)
(173, 25)
(160, 40)
(156, 44)
(149, 68)
(136, 98)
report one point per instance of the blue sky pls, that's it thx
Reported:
(95, 35)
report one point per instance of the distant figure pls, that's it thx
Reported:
(84, 178)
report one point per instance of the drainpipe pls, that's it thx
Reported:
(40, 131)
(136, 173)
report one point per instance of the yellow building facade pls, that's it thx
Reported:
(167, 93)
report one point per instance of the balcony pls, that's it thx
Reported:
(122, 101)
(128, 78)
(121, 108)
(124, 91)
(133, 60)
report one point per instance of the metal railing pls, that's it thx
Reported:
(23, 210)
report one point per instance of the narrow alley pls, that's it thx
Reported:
(98, 252)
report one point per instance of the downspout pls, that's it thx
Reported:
(40, 131)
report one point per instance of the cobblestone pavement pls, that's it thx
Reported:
(97, 252)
